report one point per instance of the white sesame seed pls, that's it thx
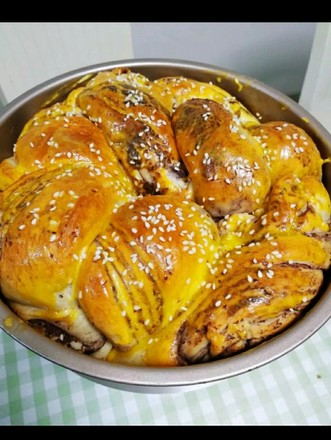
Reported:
(218, 303)
(249, 279)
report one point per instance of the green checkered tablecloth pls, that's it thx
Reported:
(293, 390)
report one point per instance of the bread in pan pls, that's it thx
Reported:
(161, 223)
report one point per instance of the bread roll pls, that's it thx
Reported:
(226, 164)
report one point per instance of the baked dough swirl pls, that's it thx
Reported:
(160, 223)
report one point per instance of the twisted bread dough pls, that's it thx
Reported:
(160, 223)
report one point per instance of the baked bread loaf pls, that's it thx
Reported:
(160, 223)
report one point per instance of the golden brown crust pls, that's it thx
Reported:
(226, 165)
(289, 148)
(159, 223)
(137, 278)
(266, 289)
(175, 90)
(138, 130)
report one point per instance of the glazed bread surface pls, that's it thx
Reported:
(160, 222)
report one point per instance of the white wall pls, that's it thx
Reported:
(31, 53)
(276, 53)
(316, 90)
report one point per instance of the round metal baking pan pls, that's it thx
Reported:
(260, 99)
